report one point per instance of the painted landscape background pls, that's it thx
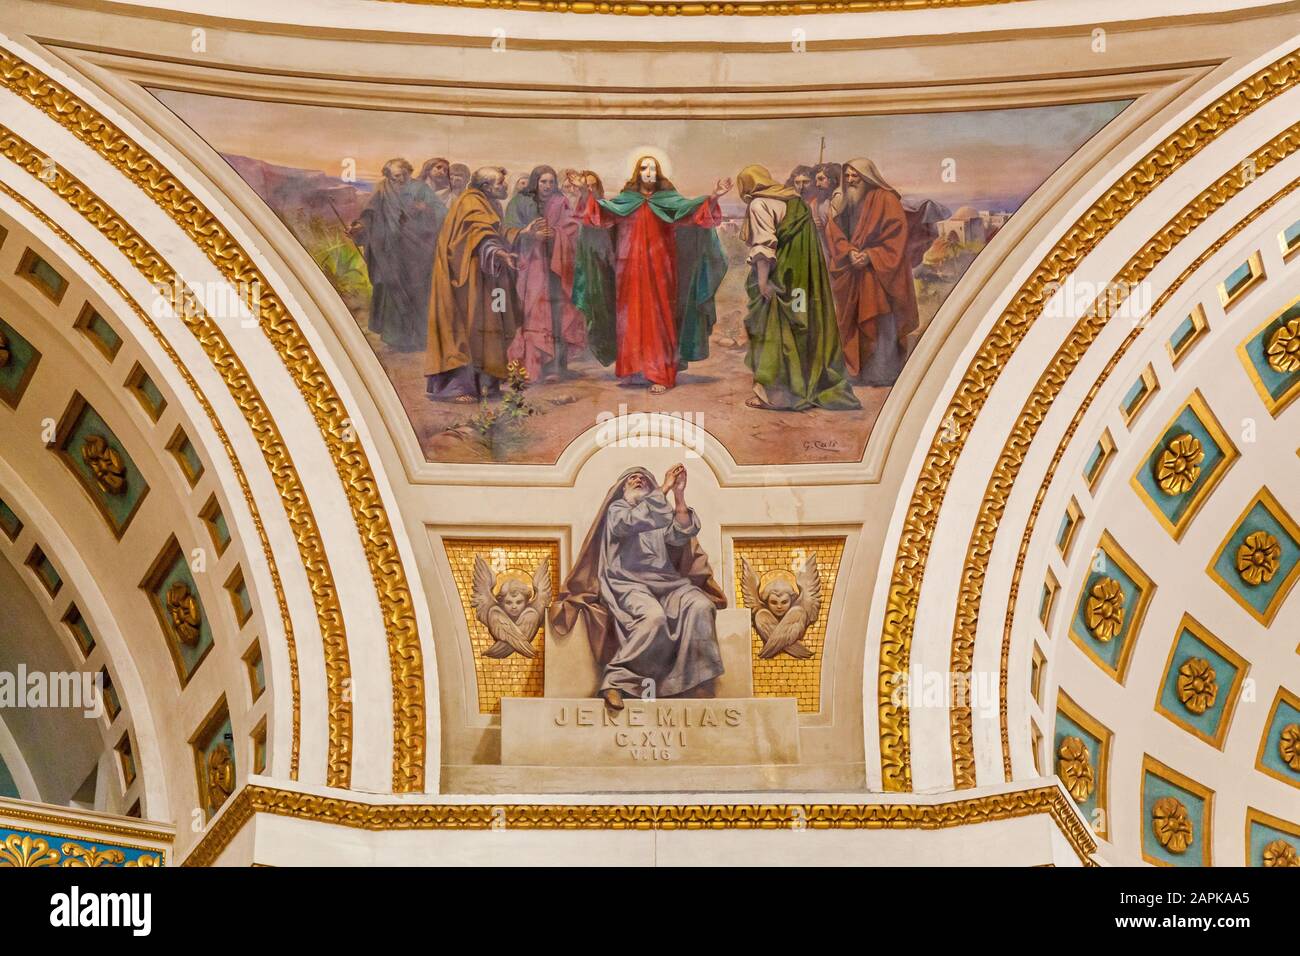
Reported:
(316, 168)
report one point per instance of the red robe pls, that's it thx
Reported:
(646, 277)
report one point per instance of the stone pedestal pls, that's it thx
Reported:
(582, 732)
(570, 670)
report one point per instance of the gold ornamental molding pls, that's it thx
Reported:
(993, 356)
(327, 408)
(655, 8)
(254, 799)
(1040, 400)
(1070, 432)
(222, 435)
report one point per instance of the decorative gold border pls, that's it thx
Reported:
(1202, 633)
(737, 8)
(1075, 422)
(67, 422)
(91, 839)
(8, 811)
(1282, 695)
(222, 435)
(1196, 402)
(300, 360)
(1168, 774)
(254, 799)
(984, 370)
(1146, 591)
(1274, 508)
(1254, 816)
(1067, 705)
(1274, 406)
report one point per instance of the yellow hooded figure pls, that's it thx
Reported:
(794, 348)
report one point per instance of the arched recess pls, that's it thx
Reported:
(1002, 477)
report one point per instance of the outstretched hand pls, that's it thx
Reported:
(722, 187)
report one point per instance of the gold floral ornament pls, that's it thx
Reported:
(104, 463)
(1171, 825)
(1104, 611)
(221, 776)
(1258, 558)
(1283, 350)
(1197, 686)
(1288, 745)
(4, 350)
(1075, 768)
(1281, 853)
(183, 610)
(91, 857)
(1180, 464)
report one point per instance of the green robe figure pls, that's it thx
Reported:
(593, 283)
(794, 344)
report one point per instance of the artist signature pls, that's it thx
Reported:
(821, 444)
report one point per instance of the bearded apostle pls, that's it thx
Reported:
(668, 265)
(474, 311)
(398, 230)
(544, 279)
(794, 346)
(875, 295)
(644, 592)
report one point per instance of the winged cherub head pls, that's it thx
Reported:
(513, 591)
(778, 590)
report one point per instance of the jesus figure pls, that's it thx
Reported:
(668, 265)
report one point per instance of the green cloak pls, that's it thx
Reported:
(796, 356)
(701, 267)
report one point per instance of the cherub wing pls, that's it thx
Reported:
(810, 588)
(484, 600)
(787, 634)
(542, 586)
(512, 637)
(749, 586)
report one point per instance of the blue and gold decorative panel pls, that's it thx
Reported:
(100, 462)
(18, 361)
(1279, 750)
(1272, 358)
(1202, 681)
(1081, 758)
(1182, 468)
(1176, 817)
(214, 758)
(1271, 841)
(1110, 608)
(171, 590)
(1259, 560)
(33, 848)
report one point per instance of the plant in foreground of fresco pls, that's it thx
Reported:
(1288, 745)
(1281, 853)
(1283, 349)
(513, 408)
(1180, 464)
(1197, 686)
(1075, 768)
(1105, 609)
(1258, 558)
(1171, 825)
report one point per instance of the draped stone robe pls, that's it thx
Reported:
(664, 623)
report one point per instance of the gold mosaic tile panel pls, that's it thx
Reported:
(513, 676)
(783, 675)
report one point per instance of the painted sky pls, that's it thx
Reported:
(1001, 156)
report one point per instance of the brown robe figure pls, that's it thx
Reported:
(474, 311)
(871, 277)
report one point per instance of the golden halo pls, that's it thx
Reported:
(769, 578)
(512, 574)
(665, 166)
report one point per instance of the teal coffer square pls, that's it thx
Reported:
(118, 509)
(189, 655)
(1263, 836)
(1260, 596)
(1276, 384)
(18, 360)
(1173, 507)
(1065, 727)
(1285, 716)
(1153, 788)
(1110, 652)
(1188, 646)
